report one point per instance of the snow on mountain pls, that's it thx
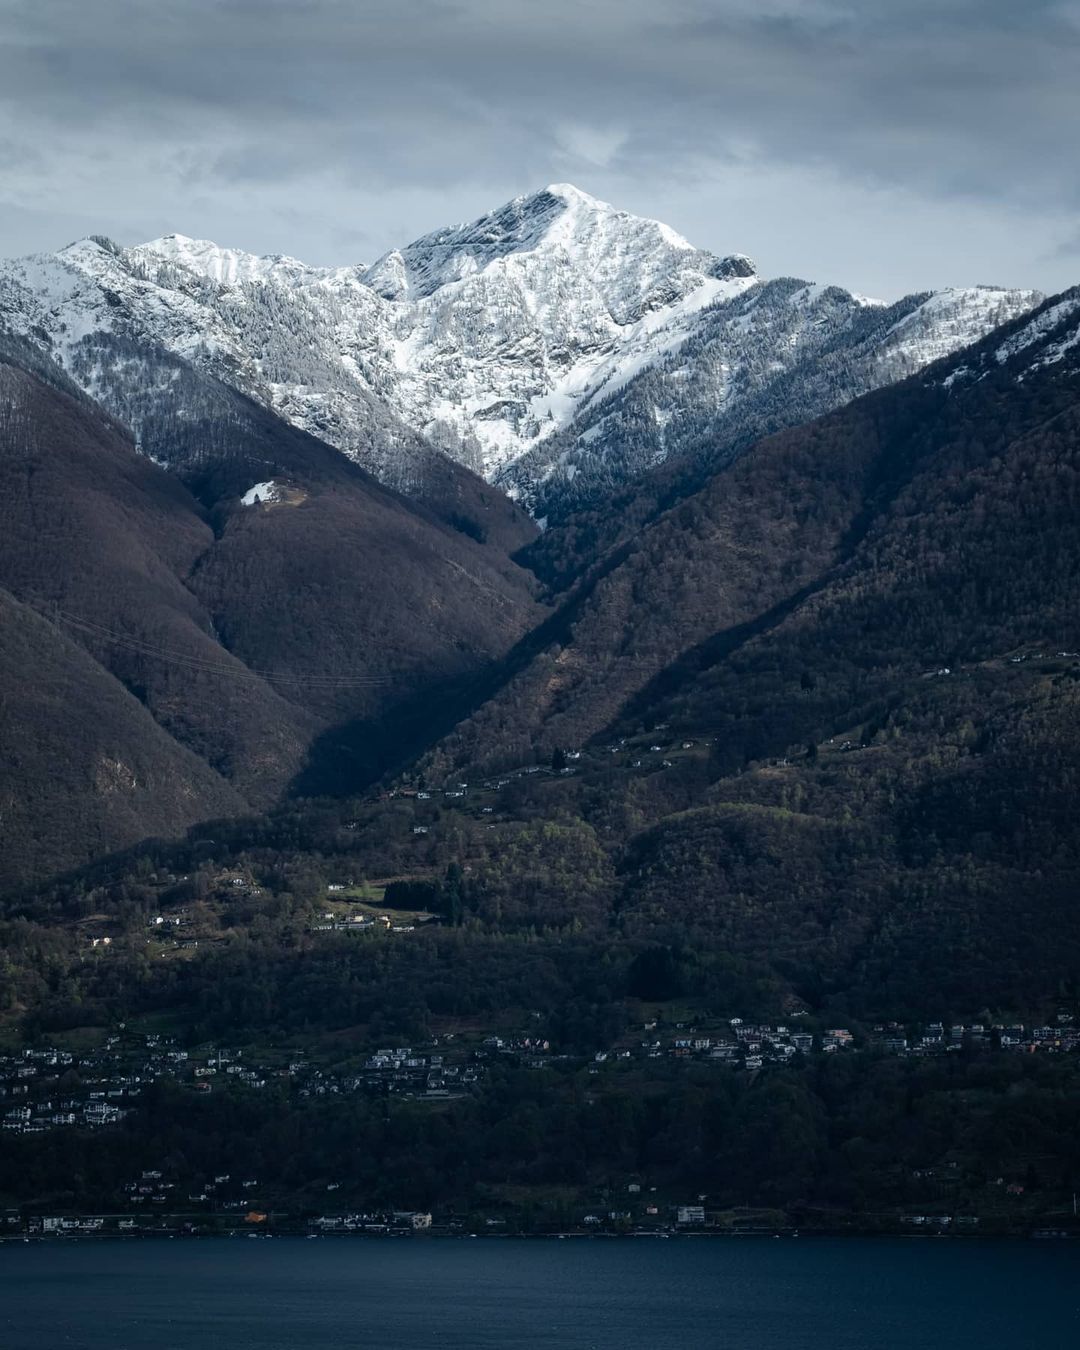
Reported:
(482, 338)
(230, 266)
(503, 326)
(1052, 337)
(262, 493)
(1047, 338)
(554, 341)
(632, 264)
(779, 353)
(107, 314)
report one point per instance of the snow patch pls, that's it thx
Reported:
(960, 373)
(262, 493)
(1038, 328)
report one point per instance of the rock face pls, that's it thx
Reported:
(557, 346)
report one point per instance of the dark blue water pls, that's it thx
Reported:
(789, 1294)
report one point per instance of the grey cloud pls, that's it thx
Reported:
(386, 109)
(1068, 248)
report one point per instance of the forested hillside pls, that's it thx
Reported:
(246, 631)
(777, 355)
(83, 765)
(827, 703)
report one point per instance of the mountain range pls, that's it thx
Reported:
(556, 347)
(263, 526)
(827, 704)
(925, 524)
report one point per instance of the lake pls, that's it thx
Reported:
(635, 1294)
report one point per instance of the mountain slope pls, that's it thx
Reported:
(779, 354)
(968, 550)
(482, 336)
(84, 768)
(251, 623)
(854, 759)
(95, 532)
(165, 349)
(918, 511)
(832, 700)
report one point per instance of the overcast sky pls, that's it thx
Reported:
(888, 145)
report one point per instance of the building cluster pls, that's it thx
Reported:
(446, 1068)
(751, 1045)
(42, 1089)
(748, 1045)
(359, 923)
(48, 1088)
(937, 1038)
(393, 1221)
(940, 1223)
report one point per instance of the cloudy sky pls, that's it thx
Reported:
(889, 145)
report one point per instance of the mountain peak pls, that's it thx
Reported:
(571, 193)
(621, 255)
(90, 245)
(576, 199)
(514, 342)
(568, 198)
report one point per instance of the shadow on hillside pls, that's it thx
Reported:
(353, 756)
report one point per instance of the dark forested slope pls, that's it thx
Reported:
(84, 768)
(802, 745)
(246, 631)
(838, 691)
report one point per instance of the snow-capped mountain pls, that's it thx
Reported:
(780, 353)
(484, 337)
(554, 346)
